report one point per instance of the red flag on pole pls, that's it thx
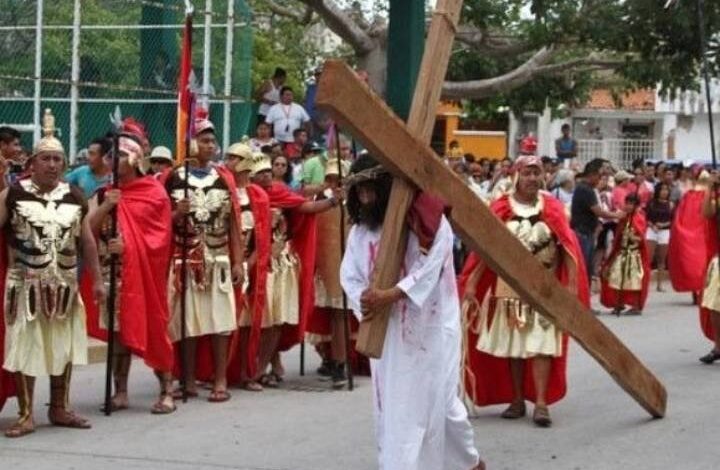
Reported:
(185, 93)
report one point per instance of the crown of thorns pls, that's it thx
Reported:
(369, 174)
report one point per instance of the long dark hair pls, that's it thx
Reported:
(658, 190)
(287, 177)
(372, 216)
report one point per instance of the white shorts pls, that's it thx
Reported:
(661, 237)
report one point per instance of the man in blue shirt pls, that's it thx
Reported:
(96, 173)
(565, 146)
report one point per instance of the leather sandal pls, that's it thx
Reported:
(514, 411)
(162, 408)
(541, 416)
(712, 356)
(20, 429)
(177, 394)
(219, 396)
(70, 420)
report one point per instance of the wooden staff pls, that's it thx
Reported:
(117, 127)
(345, 312)
(183, 280)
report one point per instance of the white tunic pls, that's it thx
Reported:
(421, 424)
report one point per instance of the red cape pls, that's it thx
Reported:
(711, 242)
(7, 381)
(687, 257)
(612, 298)
(260, 206)
(145, 222)
(303, 241)
(487, 378)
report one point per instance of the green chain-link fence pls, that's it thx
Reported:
(120, 52)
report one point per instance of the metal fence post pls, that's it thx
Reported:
(207, 51)
(38, 70)
(227, 101)
(74, 78)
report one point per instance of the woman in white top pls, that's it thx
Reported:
(263, 137)
(269, 92)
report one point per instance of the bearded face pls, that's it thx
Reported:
(367, 202)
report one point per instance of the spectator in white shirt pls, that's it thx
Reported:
(286, 116)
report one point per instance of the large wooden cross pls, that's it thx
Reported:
(403, 149)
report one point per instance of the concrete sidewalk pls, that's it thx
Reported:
(307, 427)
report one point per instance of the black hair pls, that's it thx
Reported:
(658, 189)
(266, 149)
(469, 158)
(284, 89)
(279, 72)
(287, 177)
(594, 166)
(261, 123)
(565, 126)
(632, 198)
(104, 143)
(8, 134)
(373, 216)
(298, 131)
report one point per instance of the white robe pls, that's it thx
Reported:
(421, 424)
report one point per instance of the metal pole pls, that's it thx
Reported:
(38, 69)
(229, 41)
(74, 78)
(706, 75)
(207, 49)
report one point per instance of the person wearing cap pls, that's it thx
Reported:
(252, 297)
(143, 244)
(326, 325)
(586, 210)
(514, 342)
(208, 222)
(293, 253)
(44, 319)
(420, 421)
(313, 172)
(160, 160)
(96, 172)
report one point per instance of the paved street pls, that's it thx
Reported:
(597, 426)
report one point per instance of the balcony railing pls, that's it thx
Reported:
(621, 152)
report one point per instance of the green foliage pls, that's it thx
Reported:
(658, 46)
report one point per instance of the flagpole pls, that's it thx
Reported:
(183, 250)
(110, 306)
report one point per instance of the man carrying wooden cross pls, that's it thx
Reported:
(421, 423)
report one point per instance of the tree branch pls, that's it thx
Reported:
(302, 18)
(490, 44)
(340, 23)
(535, 66)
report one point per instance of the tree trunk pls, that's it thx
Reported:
(375, 64)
